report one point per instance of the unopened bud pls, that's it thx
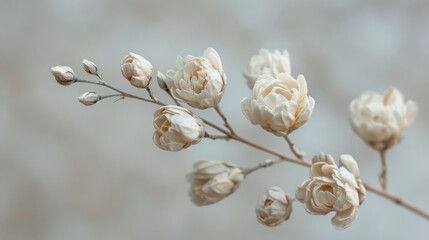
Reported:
(64, 75)
(274, 207)
(90, 67)
(160, 77)
(137, 70)
(89, 98)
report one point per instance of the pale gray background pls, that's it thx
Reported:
(72, 172)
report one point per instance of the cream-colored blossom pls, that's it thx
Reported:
(274, 207)
(213, 181)
(379, 119)
(333, 188)
(137, 70)
(198, 81)
(176, 128)
(271, 63)
(64, 75)
(89, 98)
(279, 105)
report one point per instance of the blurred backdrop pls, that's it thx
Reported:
(93, 173)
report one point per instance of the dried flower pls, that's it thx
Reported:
(274, 207)
(198, 81)
(137, 70)
(89, 98)
(271, 63)
(213, 181)
(89, 67)
(279, 105)
(380, 120)
(333, 189)
(176, 128)
(64, 75)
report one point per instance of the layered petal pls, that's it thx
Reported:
(198, 81)
(333, 188)
(279, 105)
(176, 128)
(137, 70)
(274, 207)
(266, 62)
(213, 181)
(380, 119)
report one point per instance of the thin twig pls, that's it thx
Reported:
(112, 95)
(270, 151)
(264, 164)
(119, 91)
(214, 137)
(383, 174)
(396, 200)
(151, 95)
(225, 121)
(295, 151)
(174, 99)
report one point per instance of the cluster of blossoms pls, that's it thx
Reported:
(280, 104)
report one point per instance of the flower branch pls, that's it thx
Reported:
(280, 104)
(282, 157)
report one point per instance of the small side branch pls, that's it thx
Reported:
(300, 155)
(215, 137)
(264, 164)
(151, 95)
(219, 112)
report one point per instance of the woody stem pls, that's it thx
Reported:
(383, 177)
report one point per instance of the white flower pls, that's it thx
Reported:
(279, 105)
(89, 67)
(274, 207)
(137, 70)
(176, 128)
(213, 181)
(271, 63)
(89, 98)
(198, 81)
(333, 189)
(64, 75)
(380, 120)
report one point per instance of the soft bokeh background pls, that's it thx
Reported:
(88, 173)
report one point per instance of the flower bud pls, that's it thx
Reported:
(274, 207)
(198, 81)
(160, 77)
(90, 67)
(176, 128)
(271, 63)
(64, 75)
(89, 98)
(380, 119)
(137, 70)
(213, 181)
